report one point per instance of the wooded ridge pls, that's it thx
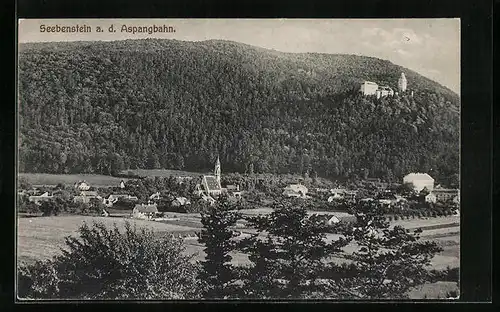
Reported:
(101, 107)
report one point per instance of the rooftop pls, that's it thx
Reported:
(211, 183)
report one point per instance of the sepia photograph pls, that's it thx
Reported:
(247, 159)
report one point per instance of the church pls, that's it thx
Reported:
(211, 185)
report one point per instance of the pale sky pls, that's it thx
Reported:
(430, 47)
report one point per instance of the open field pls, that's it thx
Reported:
(42, 237)
(415, 223)
(436, 290)
(70, 179)
(161, 173)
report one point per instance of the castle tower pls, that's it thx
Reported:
(217, 171)
(402, 83)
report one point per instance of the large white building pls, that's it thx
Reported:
(419, 181)
(369, 88)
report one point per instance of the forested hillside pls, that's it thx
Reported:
(102, 107)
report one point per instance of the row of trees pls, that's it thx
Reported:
(289, 256)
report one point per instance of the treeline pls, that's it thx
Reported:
(105, 107)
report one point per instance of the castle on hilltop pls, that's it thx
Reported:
(372, 88)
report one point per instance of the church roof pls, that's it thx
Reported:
(211, 183)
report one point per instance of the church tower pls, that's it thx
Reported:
(402, 83)
(217, 171)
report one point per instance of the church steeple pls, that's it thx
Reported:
(217, 171)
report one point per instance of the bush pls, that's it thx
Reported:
(109, 264)
(396, 218)
(24, 205)
(53, 207)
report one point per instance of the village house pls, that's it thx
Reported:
(419, 181)
(38, 199)
(443, 195)
(82, 186)
(155, 196)
(86, 196)
(180, 201)
(330, 219)
(122, 184)
(183, 179)
(431, 198)
(296, 190)
(340, 193)
(113, 198)
(233, 191)
(391, 199)
(144, 211)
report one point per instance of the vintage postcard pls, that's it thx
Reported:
(272, 159)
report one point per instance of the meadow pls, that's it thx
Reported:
(47, 179)
(41, 238)
(160, 173)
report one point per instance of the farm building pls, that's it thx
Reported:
(337, 218)
(82, 186)
(144, 211)
(443, 194)
(232, 190)
(430, 198)
(89, 194)
(419, 181)
(295, 190)
(113, 198)
(38, 199)
(155, 196)
(333, 220)
(180, 201)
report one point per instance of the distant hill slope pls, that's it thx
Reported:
(106, 106)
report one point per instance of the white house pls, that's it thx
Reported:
(295, 190)
(155, 196)
(384, 91)
(369, 88)
(180, 201)
(419, 181)
(333, 220)
(144, 211)
(82, 186)
(40, 198)
(431, 198)
(122, 184)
